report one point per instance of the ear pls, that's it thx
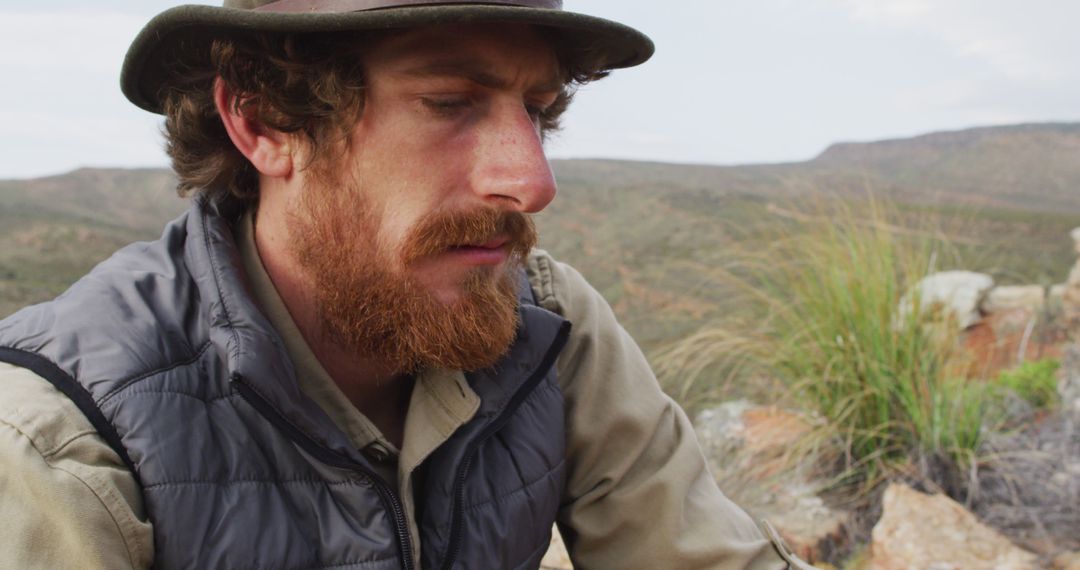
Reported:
(269, 151)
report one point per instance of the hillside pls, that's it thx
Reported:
(649, 235)
(1027, 166)
(1030, 167)
(53, 230)
(646, 234)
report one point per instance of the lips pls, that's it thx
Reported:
(493, 243)
(488, 252)
(492, 235)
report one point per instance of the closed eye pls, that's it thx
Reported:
(446, 106)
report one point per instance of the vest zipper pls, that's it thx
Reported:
(457, 509)
(386, 494)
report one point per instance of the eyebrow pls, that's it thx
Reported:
(477, 72)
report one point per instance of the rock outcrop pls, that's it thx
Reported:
(958, 294)
(1067, 561)
(754, 453)
(923, 531)
(1005, 298)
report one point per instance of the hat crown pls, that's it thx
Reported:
(184, 32)
(360, 5)
(246, 4)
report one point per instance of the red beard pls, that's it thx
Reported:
(370, 305)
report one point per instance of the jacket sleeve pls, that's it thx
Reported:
(68, 500)
(639, 494)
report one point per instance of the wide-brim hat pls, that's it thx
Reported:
(183, 29)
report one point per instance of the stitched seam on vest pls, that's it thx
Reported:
(172, 392)
(552, 473)
(125, 384)
(356, 564)
(205, 217)
(255, 482)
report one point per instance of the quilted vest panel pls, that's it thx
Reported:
(239, 469)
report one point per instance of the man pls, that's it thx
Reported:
(347, 354)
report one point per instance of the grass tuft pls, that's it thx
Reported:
(822, 294)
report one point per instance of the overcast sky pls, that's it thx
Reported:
(733, 81)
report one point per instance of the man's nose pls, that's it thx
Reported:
(511, 167)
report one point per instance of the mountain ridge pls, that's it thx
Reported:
(1027, 166)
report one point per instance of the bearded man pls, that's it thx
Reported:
(347, 354)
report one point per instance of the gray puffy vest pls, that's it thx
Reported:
(166, 353)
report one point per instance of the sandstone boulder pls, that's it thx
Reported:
(754, 453)
(1067, 561)
(923, 531)
(721, 430)
(958, 294)
(1029, 297)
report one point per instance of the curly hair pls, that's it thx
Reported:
(308, 85)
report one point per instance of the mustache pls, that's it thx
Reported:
(440, 231)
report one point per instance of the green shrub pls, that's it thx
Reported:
(1034, 381)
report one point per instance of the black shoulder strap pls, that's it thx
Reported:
(76, 392)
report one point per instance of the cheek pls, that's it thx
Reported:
(397, 225)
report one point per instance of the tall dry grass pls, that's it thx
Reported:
(814, 321)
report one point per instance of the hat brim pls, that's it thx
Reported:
(177, 30)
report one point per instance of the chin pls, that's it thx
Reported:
(452, 289)
(449, 296)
